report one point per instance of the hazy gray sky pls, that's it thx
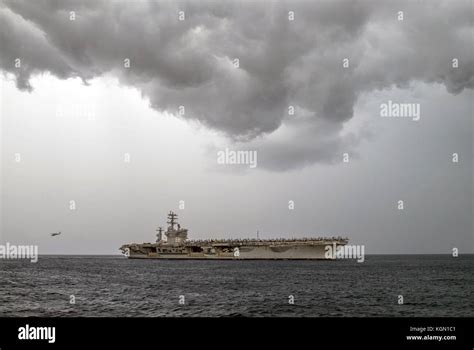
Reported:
(72, 113)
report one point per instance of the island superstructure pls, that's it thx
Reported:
(178, 246)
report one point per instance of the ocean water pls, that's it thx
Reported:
(431, 285)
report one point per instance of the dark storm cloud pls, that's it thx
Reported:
(282, 62)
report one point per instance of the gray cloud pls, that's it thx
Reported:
(282, 62)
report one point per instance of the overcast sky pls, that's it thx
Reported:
(80, 124)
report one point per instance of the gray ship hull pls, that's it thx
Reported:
(262, 251)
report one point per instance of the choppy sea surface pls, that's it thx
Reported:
(431, 285)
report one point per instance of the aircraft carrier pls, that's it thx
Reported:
(177, 246)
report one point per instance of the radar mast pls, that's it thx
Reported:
(172, 217)
(160, 234)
